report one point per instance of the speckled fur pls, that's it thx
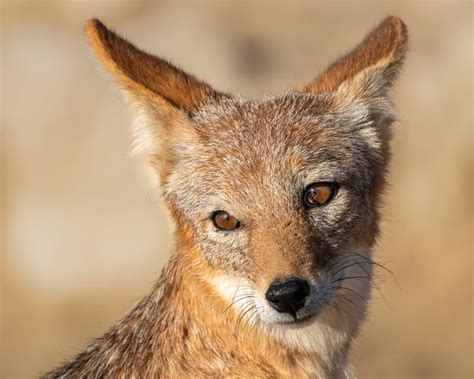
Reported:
(207, 315)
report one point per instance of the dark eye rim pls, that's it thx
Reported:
(334, 188)
(213, 215)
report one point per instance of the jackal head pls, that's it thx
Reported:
(280, 195)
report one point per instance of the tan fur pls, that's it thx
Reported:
(207, 315)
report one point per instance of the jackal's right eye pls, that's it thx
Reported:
(224, 221)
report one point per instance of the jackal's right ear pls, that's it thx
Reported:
(163, 95)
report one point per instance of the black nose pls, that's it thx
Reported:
(288, 296)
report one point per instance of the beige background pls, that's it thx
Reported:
(84, 234)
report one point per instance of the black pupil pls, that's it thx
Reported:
(225, 216)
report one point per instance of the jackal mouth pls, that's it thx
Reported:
(303, 320)
(305, 316)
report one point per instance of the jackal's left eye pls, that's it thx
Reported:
(317, 194)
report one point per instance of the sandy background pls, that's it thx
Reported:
(84, 234)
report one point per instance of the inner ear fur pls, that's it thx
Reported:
(145, 77)
(372, 65)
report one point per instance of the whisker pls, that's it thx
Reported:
(332, 305)
(232, 301)
(376, 286)
(349, 277)
(347, 298)
(339, 260)
(346, 307)
(344, 268)
(242, 314)
(253, 317)
(378, 264)
(351, 290)
(240, 298)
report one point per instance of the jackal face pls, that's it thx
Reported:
(279, 195)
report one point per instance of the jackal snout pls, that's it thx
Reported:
(288, 295)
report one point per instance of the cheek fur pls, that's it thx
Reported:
(226, 251)
(236, 291)
(336, 222)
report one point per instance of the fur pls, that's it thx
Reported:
(207, 315)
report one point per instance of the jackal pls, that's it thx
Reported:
(275, 204)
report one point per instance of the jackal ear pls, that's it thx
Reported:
(368, 71)
(161, 93)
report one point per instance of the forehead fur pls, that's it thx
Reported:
(300, 129)
(282, 141)
(285, 114)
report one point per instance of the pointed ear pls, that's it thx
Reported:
(161, 93)
(372, 66)
(359, 82)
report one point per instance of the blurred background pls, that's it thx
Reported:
(84, 234)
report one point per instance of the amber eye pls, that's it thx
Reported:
(225, 221)
(317, 194)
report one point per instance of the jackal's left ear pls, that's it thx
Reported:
(164, 96)
(366, 73)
